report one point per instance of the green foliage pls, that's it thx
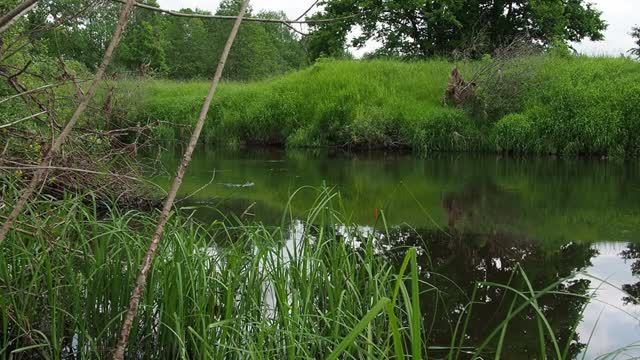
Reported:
(333, 103)
(159, 44)
(583, 105)
(144, 45)
(635, 32)
(422, 29)
(550, 104)
(514, 133)
(448, 130)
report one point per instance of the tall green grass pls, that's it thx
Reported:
(332, 103)
(228, 290)
(570, 105)
(579, 105)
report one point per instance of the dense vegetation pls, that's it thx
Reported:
(154, 43)
(250, 291)
(316, 285)
(542, 104)
(422, 29)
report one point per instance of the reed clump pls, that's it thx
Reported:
(316, 288)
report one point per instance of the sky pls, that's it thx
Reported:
(621, 15)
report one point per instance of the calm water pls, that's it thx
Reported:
(476, 217)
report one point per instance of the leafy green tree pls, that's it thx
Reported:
(83, 32)
(143, 45)
(187, 43)
(636, 34)
(193, 46)
(418, 28)
(261, 49)
(161, 44)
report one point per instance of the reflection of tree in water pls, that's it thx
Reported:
(481, 206)
(633, 290)
(481, 245)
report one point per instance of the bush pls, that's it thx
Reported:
(513, 133)
(447, 130)
(586, 106)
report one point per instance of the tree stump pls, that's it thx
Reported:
(459, 92)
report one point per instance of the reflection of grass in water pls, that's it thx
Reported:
(66, 276)
(555, 201)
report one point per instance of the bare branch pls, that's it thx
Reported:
(12, 16)
(21, 120)
(307, 11)
(250, 19)
(41, 88)
(168, 205)
(57, 144)
(20, 166)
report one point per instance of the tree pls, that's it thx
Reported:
(182, 48)
(261, 49)
(83, 33)
(143, 45)
(187, 47)
(636, 34)
(418, 28)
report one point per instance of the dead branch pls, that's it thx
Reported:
(12, 16)
(40, 173)
(68, 75)
(41, 88)
(164, 216)
(21, 120)
(27, 95)
(27, 167)
(294, 29)
(307, 11)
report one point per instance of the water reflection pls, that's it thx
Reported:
(466, 259)
(612, 321)
(477, 220)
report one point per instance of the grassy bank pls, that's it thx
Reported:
(562, 105)
(247, 291)
(332, 103)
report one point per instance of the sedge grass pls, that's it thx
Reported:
(224, 290)
(568, 105)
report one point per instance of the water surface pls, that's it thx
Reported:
(476, 218)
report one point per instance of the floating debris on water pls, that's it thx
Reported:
(245, 185)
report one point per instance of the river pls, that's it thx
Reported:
(476, 218)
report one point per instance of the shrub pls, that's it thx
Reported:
(447, 130)
(513, 133)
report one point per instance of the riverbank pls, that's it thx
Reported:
(543, 105)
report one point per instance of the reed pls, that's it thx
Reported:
(315, 288)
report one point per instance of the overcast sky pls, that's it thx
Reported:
(621, 15)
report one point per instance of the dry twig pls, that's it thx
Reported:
(55, 147)
(12, 16)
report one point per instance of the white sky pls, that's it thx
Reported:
(621, 15)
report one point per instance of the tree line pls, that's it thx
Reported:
(185, 48)
(419, 29)
(163, 45)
